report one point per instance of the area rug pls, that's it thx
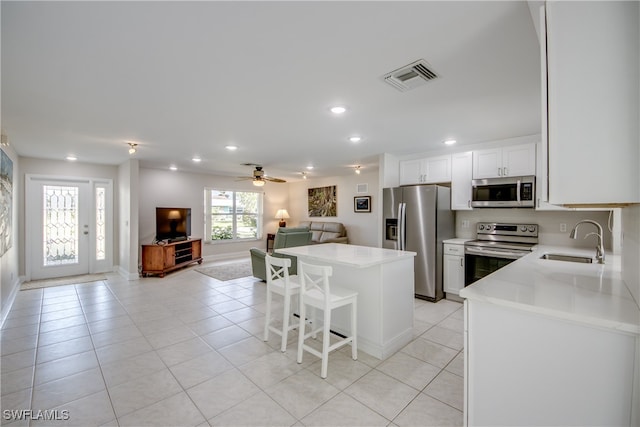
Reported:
(60, 281)
(229, 271)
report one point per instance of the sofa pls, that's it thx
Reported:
(326, 232)
(285, 238)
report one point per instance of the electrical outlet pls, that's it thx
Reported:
(465, 224)
(563, 227)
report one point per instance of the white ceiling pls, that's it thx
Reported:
(188, 78)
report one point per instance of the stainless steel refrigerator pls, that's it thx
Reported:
(418, 218)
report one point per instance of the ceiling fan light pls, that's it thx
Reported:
(258, 182)
(132, 148)
(357, 170)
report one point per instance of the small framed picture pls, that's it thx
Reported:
(362, 204)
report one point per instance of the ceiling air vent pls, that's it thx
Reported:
(410, 76)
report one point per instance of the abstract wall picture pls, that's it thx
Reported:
(362, 204)
(6, 202)
(323, 201)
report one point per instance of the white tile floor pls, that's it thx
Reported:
(187, 350)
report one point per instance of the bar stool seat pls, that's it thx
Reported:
(316, 292)
(279, 282)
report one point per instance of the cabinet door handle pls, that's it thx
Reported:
(468, 203)
(506, 172)
(461, 262)
(499, 171)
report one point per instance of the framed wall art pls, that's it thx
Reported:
(323, 201)
(362, 204)
(6, 202)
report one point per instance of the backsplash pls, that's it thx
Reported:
(549, 224)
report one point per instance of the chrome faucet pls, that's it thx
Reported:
(600, 246)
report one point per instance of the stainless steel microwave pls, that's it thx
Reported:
(507, 192)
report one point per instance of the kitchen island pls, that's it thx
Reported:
(383, 279)
(552, 343)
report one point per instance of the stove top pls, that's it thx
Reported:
(507, 236)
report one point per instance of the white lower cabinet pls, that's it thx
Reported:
(524, 368)
(453, 268)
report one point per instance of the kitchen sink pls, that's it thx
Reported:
(569, 258)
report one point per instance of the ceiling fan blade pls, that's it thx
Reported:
(242, 178)
(268, 178)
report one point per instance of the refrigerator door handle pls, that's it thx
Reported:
(402, 216)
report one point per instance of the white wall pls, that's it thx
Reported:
(631, 250)
(128, 194)
(9, 263)
(362, 228)
(164, 188)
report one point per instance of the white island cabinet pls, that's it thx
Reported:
(383, 279)
(552, 343)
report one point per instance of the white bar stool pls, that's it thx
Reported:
(315, 292)
(279, 282)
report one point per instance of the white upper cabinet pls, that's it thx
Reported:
(426, 171)
(411, 172)
(517, 160)
(461, 181)
(593, 88)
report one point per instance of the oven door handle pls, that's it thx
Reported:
(492, 253)
(518, 191)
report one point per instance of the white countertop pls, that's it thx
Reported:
(593, 294)
(350, 255)
(456, 241)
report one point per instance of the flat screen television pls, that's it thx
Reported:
(173, 223)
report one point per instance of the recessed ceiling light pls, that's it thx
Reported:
(309, 167)
(449, 141)
(355, 138)
(196, 159)
(173, 168)
(71, 158)
(338, 109)
(231, 147)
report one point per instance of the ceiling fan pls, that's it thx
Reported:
(259, 178)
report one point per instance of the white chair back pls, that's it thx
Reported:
(314, 280)
(277, 269)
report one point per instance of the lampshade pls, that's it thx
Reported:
(174, 214)
(282, 214)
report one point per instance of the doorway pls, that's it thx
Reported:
(69, 226)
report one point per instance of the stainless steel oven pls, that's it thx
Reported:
(496, 245)
(507, 192)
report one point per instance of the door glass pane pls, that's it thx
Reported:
(60, 225)
(101, 224)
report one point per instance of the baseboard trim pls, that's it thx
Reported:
(12, 297)
(226, 256)
(126, 274)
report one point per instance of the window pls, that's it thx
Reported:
(232, 215)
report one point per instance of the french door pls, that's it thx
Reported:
(68, 228)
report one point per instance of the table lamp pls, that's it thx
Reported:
(282, 214)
